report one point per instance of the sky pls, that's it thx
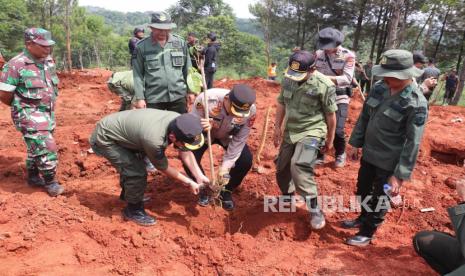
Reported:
(240, 7)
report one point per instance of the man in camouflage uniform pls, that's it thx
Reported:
(232, 113)
(138, 36)
(338, 64)
(161, 67)
(308, 103)
(31, 78)
(389, 131)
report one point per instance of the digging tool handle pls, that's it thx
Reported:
(207, 116)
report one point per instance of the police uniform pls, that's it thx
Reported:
(229, 131)
(389, 131)
(160, 73)
(35, 88)
(340, 64)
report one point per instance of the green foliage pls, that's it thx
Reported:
(239, 51)
(13, 18)
(186, 12)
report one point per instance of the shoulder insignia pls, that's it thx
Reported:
(251, 121)
(420, 115)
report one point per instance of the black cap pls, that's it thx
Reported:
(299, 63)
(242, 98)
(329, 38)
(211, 36)
(138, 29)
(188, 129)
(418, 57)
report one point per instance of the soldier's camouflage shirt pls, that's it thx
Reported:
(35, 88)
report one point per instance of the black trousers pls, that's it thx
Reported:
(340, 137)
(179, 106)
(440, 250)
(209, 79)
(238, 172)
(371, 180)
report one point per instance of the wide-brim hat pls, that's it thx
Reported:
(397, 64)
(162, 21)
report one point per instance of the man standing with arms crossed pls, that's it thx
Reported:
(308, 102)
(337, 63)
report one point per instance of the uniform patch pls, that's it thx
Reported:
(176, 44)
(199, 106)
(420, 116)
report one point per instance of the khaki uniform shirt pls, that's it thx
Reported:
(306, 106)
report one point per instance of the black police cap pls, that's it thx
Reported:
(242, 98)
(329, 38)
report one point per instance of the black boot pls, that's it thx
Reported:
(52, 186)
(226, 200)
(34, 179)
(137, 214)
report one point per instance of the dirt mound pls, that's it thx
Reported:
(83, 230)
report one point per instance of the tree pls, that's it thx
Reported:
(392, 38)
(185, 12)
(13, 16)
(358, 29)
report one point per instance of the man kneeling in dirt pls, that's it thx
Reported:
(233, 114)
(307, 100)
(120, 137)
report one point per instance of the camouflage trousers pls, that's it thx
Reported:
(41, 152)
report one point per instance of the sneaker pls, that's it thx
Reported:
(138, 216)
(317, 220)
(226, 200)
(204, 198)
(340, 160)
(54, 189)
(359, 240)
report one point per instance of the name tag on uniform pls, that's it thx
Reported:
(311, 92)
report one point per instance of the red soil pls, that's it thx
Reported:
(82, 231)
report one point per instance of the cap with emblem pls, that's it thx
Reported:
(419, 58)
(242, 98)
(162, 21)
(188, 129)
(397, 64)
(329, 38)
(299, 63)
(39, 36)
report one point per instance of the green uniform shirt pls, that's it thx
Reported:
(306, 105)
(390, 128)
(143, 130)
(122, 84)
(160, 73)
